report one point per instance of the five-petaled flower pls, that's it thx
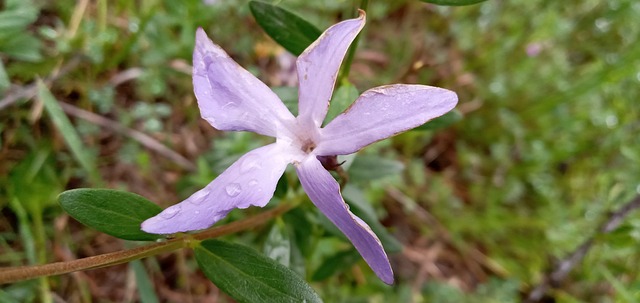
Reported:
(231, 98)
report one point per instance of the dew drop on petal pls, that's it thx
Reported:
(198, 197)
(253, 182)
(170, 212)
(229, 106)
(233, 189)
(249, 163)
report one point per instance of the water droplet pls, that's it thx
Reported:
(253, 182)
(198, 197)
(229, 106)
(170, 212)
(250, 162)
(233, 189)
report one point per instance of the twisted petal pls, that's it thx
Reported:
(324, 192)
(249, 181)
(230, 97)
(382, 112)
(318, 68)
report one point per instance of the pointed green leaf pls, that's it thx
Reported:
(336, 264)
(249, 276)
(443, 121)
(282, 187)
(453, 2)
(113, 212)
(289, 96)
(146, 292)
(302, 229)
(69, 133)
(278, 244)
(23, 47)
(370, 167)
(4, 79)
(288, 29)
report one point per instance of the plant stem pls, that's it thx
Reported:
(346, 66)
(15, 274)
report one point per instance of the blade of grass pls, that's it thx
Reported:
(69, 133)
(143, 282)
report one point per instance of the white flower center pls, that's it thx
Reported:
(299, 138)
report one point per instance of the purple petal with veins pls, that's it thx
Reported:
(318, 68)
(229, 96)
(324, 192)
(382, 112)
(249, 181)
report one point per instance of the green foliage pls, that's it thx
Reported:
(344, 95)
(69, 133)
(278, 244)
(367, 167)
(288, 29)
(249, 276)
(112, 212)
(443, 121)
(453, 2)
(144, 284)
(336, 264)
(4, 78)
(546, 148)
(14, 42)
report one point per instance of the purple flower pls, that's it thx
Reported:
(230, 98)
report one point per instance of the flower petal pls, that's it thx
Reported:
(249, 181)
(382, 112)
(230, 97)
(318, 68)
(324, 192)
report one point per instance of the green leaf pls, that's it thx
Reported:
(17, 19)
(71, 137)
(301, 228)
(288, 29)
(278, 245)
(335, 264)
(249, 276)
(443, 121)
(113, 212)
(342, 98)
(370, 167)
(143, 283)
(23, 47)
(4, 78)
(282, 187)
(289, 96)
(38, 172)
(453, 2)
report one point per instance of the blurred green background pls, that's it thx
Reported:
(547, 148)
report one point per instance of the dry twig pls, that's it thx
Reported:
(564, 267)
